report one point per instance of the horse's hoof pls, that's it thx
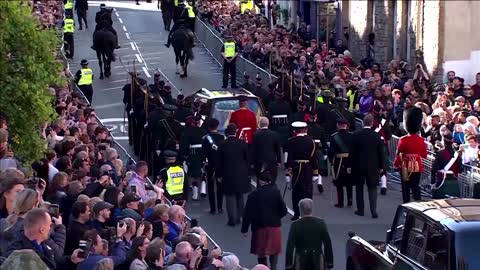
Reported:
(183, 76)
(101, 77)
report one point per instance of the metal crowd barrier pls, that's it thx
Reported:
(213, 43)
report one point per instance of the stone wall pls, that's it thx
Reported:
(360, 25)
(383, 29)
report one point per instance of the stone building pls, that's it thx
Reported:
(443, 30)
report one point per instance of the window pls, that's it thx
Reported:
(436, 254)
(415, 239)
(222, 109)
(398, 228)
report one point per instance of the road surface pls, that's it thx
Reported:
(141, 35)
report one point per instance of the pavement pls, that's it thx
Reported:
(141, 35)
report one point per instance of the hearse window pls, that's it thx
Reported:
(416, 239)
(436, 254)
(398, 228)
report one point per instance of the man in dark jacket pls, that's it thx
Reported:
(266, 147)
(36, 236)
(368, 164)
(78, 225)
(81, 6)
(307, 252)
(232, 170)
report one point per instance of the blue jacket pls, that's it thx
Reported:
(173, 231)
(118, 254)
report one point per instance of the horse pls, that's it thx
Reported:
(182, 42)
(104, 43)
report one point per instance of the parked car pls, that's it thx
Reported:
(436, 235)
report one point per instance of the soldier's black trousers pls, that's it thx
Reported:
(87, 90)
(215, 196)
(69, 45)
(340, 194)
(82, 16)
(297, 195)
(229, 68)
(413, 185)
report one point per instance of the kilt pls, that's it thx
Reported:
(266, 241)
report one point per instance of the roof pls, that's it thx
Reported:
(223, 93)
(455, 214)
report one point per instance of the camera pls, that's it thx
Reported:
(85, 246)
(54, 210)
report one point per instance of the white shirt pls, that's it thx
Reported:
(51, 172)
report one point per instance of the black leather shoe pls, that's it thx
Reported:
(375, 215)
(349, 203)
(383, 191)
(231, 224)
(320, 188)
(213, 212)
(358, 213)
(294, 218)
(338, 205)
(167, 45)
(220, 211)
(118, 47)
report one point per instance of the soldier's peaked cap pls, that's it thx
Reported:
(84, 62)
(299, 124)
(169, 154)
(102, 5)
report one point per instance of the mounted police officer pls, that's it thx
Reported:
(229, 54)
(301, 167)
(173, 178)
(340, 155)
(191, 149)
(103, 19)
(317, 132)
(183, 13)
(279, 111)
(68, 30)
(84, 80)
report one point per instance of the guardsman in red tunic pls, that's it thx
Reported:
(411, 149)
(245, 120)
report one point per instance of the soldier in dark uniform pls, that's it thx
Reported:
(191, 149)
(183, 109)
(341, 112)
(382, 126)
(317, 132)
(301, 167)
(128, 98)
(324, 111)
(270, 96)
(339, 153)
(279, 112)
(166, 95)
(210, 143)
(258, 89)
(154, 116)
(247, 84)
(156, 87)
(299, 116)
(168, 132)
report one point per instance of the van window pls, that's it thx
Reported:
(416, 239)
(398, 228)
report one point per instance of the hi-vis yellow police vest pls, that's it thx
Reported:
(320, 99)
(175, 3)
(244, 5)
(191, 13)
(68, 5)
(86, 76)
(351, 99)
(175, 180)
(68, 26)
(229, 49)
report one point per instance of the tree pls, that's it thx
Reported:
(27, 68)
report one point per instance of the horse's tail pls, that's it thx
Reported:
(190, 53)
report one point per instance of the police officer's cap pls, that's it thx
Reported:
(326, 93)
(341, 100)
(342, 121)
(299, 124)
(242, 99)
(84, 62)
(169, 154)
(169, 107)
(102, 6)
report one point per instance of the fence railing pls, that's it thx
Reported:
(213, 43)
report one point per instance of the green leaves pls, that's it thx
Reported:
(27, 68)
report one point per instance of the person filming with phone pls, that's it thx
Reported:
(93, 246)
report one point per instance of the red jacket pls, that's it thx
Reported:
(244, 118)
(413, 147)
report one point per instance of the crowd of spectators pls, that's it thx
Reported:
(79, 210)
(451, 106)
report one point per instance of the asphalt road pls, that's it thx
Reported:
(141, 35)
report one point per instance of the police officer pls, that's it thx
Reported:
(173, 178)
(182, 13)
(68, 29)
(317, 132)
(279, 111)
(339, 153)
(84, 80)
(191, 15)
(68, 6)
(246, 5)
(229, 54)
(184, 109)
(81, 6)
(191, 149)
(301, 166)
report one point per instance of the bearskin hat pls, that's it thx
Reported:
(412, 120)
